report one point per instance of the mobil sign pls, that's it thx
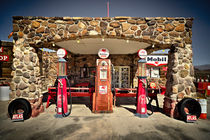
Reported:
(157, 60)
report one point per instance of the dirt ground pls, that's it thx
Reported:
(120, 125)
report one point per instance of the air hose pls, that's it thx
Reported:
(69, 95)
(146, 90)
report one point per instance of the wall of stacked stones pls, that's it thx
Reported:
(173, 33)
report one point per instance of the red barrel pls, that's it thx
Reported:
(208, 89)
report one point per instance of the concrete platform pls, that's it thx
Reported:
(120, 125)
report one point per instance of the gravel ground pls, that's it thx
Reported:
(120, 125)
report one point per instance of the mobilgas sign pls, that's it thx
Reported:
(157, 60)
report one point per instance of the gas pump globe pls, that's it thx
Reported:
(61, 67)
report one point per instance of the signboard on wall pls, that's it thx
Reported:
(1, 49)
(157, 60)
(4, 57)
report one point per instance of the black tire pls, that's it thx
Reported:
(192, 105)
(22, 104)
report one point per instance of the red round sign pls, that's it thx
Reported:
(142, 53)
(61, 53)
(103, 53)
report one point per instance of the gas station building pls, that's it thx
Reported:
(34, 67)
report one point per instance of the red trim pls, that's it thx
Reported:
(155, 65)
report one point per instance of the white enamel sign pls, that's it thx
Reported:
(157, 60)
(61, 53)
(103, 53)
(142, 53)
(103, 89)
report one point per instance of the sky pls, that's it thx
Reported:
(199, 10)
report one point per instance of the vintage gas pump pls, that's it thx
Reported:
(62, 80)
(102, 97)
(141, 109)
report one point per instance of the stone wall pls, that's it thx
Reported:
(163, 32)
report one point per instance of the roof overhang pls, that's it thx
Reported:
(92, 45)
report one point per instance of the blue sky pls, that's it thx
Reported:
(135, 8)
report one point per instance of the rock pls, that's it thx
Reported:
(175, 80)
(32, 79)
(19, 73)
(81, 25)
(73, 29)
(113, 33)
(188, 40)
(147, 33)
(179, 28)
(88, 18)
(134, 28)
(186, 66)
(160, 37)
(180, 87)
(25, 94)
(26, 75)
(174, 89)
(20, 34)
(180, 96)
(84, 32)
(12, 86)
(35, 24)
(151, 23)
(98, 29)
(32, 88)
(25, 80)
(26, 60)
(22, 86)
(132, 21)
(193, 89)
(70, 22)
(60, 33)
(93, 32)
(18, 93)
(181, 81)
(187, 90)
(183, 73)
(191, 70)
(103, 25)
(15, 28)
(169, 27)
(30, 67)
(94, 23)
(17, 79)
(160, 30)
(45, 23)
(174, 34)
(125, 26)
(115, 24)
(189, 23)
(141, 22)
(57, 37)
(31, 35)
(26, 30)
(12, 95)
(40, 30)
(143, 27)
(52, 25)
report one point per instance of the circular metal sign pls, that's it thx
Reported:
(103, 53)
(142, 53)
(61, 53)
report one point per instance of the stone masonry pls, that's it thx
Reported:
(164, 32)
